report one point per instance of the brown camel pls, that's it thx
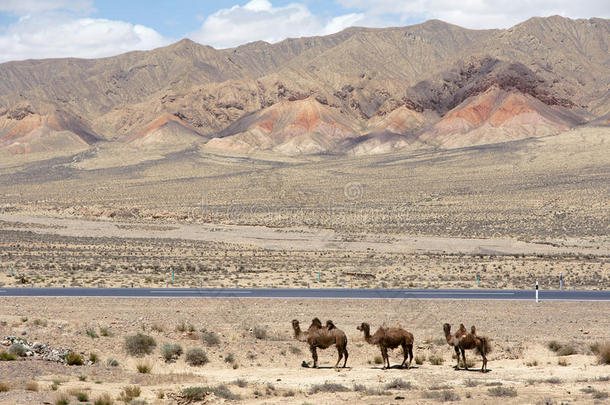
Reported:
(389, 338)
(321, 337)
(463, 341)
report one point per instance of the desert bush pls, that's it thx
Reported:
(92, 333)
(62, 399)
(435, 360)
(73, 359)
(210, 339)
(156, 327)
(398, 384)
(471, 383)
(4, 387)
(7, 356)
(566, 350)
(104, 399)
(93, 358)
(31, 386)
(502, 392)
(138, 345)
(419, 360)
(603, 354)
(554, 345)
(195, 393)
(377, 359)
(82, 378)
(81, 396)
(105, 331)
(199, 393)
(18, 349)
(562, 362)
(295, 350)
(442, 396)
(131, 391)
(260, 332)
(289, 393)
(112, 363)
(196, 357)
(170, 351)
(40, 322)
(532, 363)
(241, 383)
(229, 358)
(144, 367)
(327, 387)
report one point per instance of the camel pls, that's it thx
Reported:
(463, 341)
(321, 337)
(390, 338)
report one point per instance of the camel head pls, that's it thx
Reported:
(447, 329)
(330, 325)
(364, 327)
(473, 330)
(316, 323)
(296, 328)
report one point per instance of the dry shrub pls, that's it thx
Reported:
(31, 386)
(603, 353)
(139, 345)
(196, 357)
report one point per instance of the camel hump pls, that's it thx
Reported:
(473, 330)
(330, 325)
(316, 322)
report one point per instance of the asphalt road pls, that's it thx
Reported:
(305, 293)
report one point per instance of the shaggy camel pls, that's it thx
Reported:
(389, 338)
(463, 341)
(321, 337)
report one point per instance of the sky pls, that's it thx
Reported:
(34, 29)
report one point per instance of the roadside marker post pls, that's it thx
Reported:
(560, 280)
(478, 280)
(172, 274)
(537, 291)
(12, 273)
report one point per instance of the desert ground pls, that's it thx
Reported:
(510, 213)
(254, 358)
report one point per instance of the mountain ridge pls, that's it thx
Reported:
(359, 73)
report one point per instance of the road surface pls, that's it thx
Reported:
(306, 293)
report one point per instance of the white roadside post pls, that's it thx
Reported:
(536, 291)
(560, 280)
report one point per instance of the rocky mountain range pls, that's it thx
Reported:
(359, 91)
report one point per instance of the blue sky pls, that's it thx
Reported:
(95, 28)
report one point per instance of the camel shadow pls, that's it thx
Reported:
(472, 370)
(325, 368)
(395, 367)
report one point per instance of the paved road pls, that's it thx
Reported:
(568, 295)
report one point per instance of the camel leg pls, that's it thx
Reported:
(464, 358)
(340, 352)
(384, 354)
(457, 353)
(346, 355)
(314, 355)
(484, 366)
(405, 353)
(410, 356)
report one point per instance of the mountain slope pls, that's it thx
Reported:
(371, 83)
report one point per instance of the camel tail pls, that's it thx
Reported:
(486, 346)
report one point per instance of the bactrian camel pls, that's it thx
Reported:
(462, 341)
(319, 337)
(390, 338)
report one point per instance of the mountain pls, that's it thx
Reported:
(359, 91)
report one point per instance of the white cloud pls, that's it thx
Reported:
(260, 20)
(480, 13)
(54, 35)
(22, 7)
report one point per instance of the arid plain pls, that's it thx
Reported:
(426, 156)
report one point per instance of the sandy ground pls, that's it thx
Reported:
(271, 366)
(297, 238)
